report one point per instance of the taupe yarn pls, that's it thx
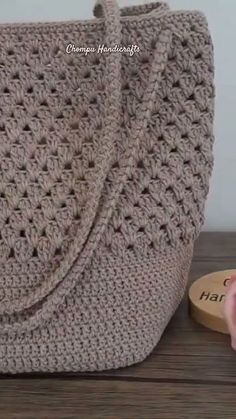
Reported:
(104, 173)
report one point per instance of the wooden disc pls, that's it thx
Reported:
(206, 296)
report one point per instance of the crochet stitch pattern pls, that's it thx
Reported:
(104, 173)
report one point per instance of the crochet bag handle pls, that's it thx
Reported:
(51, 293)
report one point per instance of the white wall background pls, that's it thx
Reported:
(221, 14)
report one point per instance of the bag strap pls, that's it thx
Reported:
(52, 293)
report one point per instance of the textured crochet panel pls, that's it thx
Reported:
(104, 323)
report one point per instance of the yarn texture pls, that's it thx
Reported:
(105, 161)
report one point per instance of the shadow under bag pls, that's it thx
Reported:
(105, 160)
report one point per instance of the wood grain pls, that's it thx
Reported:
(115, 399)
(190, 374)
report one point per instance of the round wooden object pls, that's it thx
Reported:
(206, 296)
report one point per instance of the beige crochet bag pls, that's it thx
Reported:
(104, 172)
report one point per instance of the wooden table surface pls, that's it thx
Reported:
(191, 373)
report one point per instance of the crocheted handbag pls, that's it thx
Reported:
(104, 171)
